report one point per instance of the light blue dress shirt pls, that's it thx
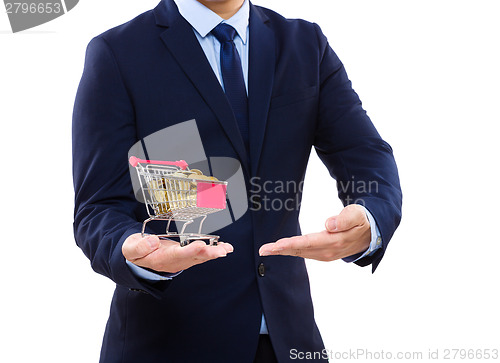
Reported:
(203, 20)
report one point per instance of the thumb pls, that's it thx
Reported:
(331, 224)
(136, 247)
(348, 218)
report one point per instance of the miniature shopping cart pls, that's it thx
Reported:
(173, 192)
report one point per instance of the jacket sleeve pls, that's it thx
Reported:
(103, 132)
(354, 153)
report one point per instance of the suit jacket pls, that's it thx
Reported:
(151, 73)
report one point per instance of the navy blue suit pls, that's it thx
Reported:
(151, 73)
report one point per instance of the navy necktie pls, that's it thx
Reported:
(232, 76)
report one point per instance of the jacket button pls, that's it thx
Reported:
(262, 270)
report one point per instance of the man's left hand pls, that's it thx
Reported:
(345, 235)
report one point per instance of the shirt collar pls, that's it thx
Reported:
(203, 20)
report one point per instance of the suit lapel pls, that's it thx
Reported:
(260, 80)
(180, 40)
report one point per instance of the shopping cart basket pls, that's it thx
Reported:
(172, 192)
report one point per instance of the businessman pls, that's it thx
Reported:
(263, 90)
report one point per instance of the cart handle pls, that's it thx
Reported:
(134, 161)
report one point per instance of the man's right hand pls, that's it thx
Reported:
(168, 256)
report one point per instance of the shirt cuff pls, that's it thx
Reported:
(149, 275)
(375, 243)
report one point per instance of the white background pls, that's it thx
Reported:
(428, 75)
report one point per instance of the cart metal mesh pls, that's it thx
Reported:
(171, 193)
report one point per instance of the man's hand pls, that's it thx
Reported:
(345, 235)
(168, 256)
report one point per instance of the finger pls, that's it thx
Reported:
(227, 246)
(333, 246)
(320, 254)
(313, 244)
(199, 251)
(172, 257)
(296, 243)
(351, 216)
(136, 247)
(211, 252)
(307, 241)
(219, 248)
